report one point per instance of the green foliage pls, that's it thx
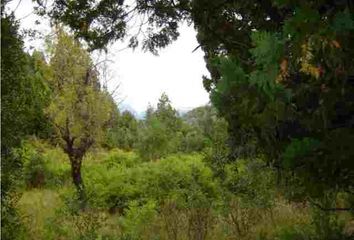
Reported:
(217, 155)
(285, 86)
(120, 158)
(291, 62)
(15, 85)
(58, 167)
(124, 131)
(185, 178)
(252, 182)
(23, 98)
(161, 132)
(43, 165)
(298, 149)
(101, 23)
(192, 140)
(202, 118)
(78, 110)
(154, 140)
(177, 197)
(343, 21)
(135, 219)
(281, 78)
(268, 48)
(34, 169)
(11, 224)
(68, 222)
(164, 132)
(294, 232)
(40, 74)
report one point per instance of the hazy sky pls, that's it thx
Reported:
(143, 76)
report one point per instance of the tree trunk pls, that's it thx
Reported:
(77, 179)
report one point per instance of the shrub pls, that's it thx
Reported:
(184, 178)
(69, 222)
(34, 168)
(173, 219)
(138, 221)
(58, 166)
(44, 165)
(120, 158)
(294, 232)
(173, 176)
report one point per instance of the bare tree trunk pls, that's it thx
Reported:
(77, 179)
(76, 155)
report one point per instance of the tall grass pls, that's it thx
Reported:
(176, 197)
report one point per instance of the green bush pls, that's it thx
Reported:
(294, 233)
(138, 221)
(120, 158)
(44, 165)
(71, 223)
(34, 168)
(252, 182)
(185, 178)
(58, 165)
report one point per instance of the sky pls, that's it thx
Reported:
(142, 77)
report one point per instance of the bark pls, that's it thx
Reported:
(77, 179)
(76, 154)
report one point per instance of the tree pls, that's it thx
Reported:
(13, 118)
(40, 72)
(167, 114)
(204, 128)
(153, 140)
(79, 110)
(204, 118)
(124, 131)
(160, 133)
(286, 92)
(101, 22)
(24, 94)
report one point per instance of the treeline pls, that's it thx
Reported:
(163, 131)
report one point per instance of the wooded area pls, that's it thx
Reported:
(271, 157)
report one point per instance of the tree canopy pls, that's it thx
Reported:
(79, 110)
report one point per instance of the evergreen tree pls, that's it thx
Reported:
(24, 95)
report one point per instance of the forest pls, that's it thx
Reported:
(271, 156)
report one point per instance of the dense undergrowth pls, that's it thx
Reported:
(175, 197)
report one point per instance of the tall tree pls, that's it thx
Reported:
(285, 89)
(13, 119)
(160, 132)
(124, 131)
(79, 110)
(167, 114)
(24, 95)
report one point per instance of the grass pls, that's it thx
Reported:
(36, 207)
(153, 196)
